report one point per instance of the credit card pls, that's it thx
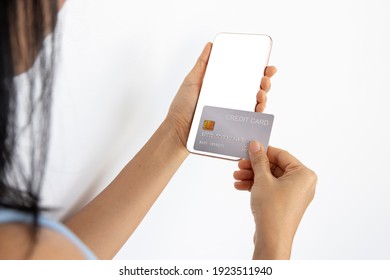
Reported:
(228, 132)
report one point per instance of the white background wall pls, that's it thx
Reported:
(122, 64)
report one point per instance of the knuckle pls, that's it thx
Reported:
(309, 173)
(312, 182)
(313, 176)
(255, 162)
(258, 160)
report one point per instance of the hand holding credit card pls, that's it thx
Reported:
(229, 132)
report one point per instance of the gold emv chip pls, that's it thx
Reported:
(208, 125)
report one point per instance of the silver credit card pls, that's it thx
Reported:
(229, 132)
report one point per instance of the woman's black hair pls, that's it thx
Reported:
(25, 104)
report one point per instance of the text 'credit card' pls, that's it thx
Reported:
(229, 132)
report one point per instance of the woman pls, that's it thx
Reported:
(281, 187)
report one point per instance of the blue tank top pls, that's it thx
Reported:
(13, 216)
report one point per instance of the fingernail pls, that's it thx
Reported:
(254, 147)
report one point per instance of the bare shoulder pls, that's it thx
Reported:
(16, 242)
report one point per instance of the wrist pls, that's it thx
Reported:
(176, 140)
(272, 246)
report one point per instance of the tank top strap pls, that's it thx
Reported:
(13, 216)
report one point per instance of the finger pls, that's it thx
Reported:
(265, 83)
(260, 107)
(243, 185)
(283, 159)
(270, 71)
(197, 73)
(259, 160)
(245, 164)
(243, 175)
(276, 170)
(261, 96)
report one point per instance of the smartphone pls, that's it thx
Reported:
(232, 79)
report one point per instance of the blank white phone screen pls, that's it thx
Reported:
(233, 75)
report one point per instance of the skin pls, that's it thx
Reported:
(107, 222)
(281, 190)
(16, 243)
(125, 202)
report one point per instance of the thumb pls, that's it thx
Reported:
(197, 73)
(259, 159)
